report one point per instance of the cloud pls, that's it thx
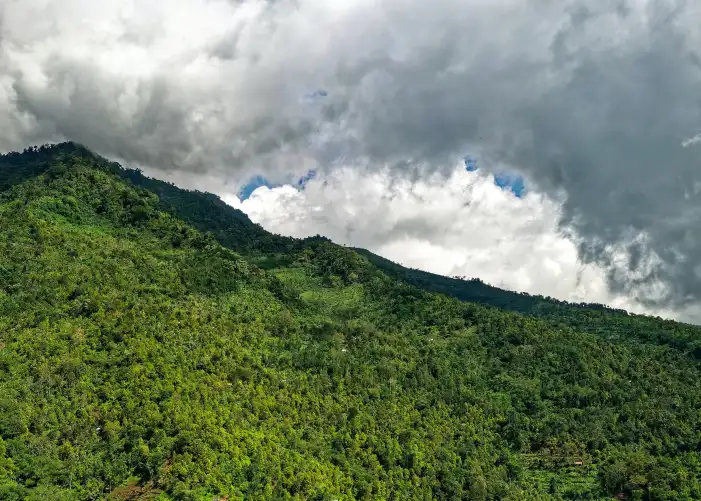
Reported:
(464, 225)
(691, 141)
(592, 101)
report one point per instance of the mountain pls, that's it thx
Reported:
(156, 344)
(609, 323)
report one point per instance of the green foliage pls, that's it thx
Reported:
(609, 323)
(155, 343)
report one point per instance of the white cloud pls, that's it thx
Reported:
(691, 141)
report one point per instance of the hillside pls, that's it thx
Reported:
(156, 344)
(609, 323)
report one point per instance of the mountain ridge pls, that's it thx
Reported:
(140, 355)
(233, 229)
(229, 215)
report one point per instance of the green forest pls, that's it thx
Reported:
(156, 344)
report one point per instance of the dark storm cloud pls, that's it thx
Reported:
(590, 99)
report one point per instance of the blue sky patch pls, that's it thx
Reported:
(301, 183)
(504, 180)
(257, 181)
(507, 181)
(513, 182)
(252, 185)
(470, 164)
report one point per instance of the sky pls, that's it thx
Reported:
(584, 118)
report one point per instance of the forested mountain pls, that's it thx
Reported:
(607, 322)
(156, 344)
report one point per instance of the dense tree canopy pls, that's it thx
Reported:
(156, 344)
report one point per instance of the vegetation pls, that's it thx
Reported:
(609, 323)
(155, 344)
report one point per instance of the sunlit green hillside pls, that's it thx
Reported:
(156, 344)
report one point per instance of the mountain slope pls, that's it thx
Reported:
(232, 229)
(135, 349)
(205, 211)
(609, 323)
